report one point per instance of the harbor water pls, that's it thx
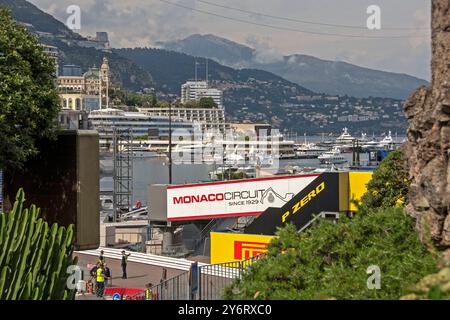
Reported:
(148, 171)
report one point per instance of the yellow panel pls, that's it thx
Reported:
(231, 247)
(358, 186)
(344, 191)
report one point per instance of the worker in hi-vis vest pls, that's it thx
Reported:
(100, 281)
(148, 292)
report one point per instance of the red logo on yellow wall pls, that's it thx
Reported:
(232, 247)
(246, 250)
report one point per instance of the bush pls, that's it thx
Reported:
(34, 256)
(433, 286)
(330, 260)
(389, 184)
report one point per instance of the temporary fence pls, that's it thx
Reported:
(214, 278)
(206, 282)
(176, 288)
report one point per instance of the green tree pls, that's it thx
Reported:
(389, 184)
(207, 102)
(28, 97)
(191, 104)
(330, 261)
(153, 100)
(162, 104)
(133, 109)
(232, 175)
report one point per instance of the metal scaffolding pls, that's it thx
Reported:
(122, 171)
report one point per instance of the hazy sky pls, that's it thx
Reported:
(132, 23)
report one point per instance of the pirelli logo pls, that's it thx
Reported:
(303, 202)
(244, 250)
(231, 247)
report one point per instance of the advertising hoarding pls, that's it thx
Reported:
(232, 247)
(321, 195)
(358, 186)
(232, 198)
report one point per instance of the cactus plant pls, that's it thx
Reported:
(33, 256)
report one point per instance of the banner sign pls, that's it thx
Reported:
(232, 247)
(319, 196)
(232, 198)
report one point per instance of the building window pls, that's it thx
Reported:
(70, 103)
(78, 104)
(64, 103)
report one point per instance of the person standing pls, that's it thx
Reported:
(101, 258)
(100, 281)
(107, 273)
(148, 291)
(124, 264)
(93, 277)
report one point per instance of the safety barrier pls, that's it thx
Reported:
(126, 293)
(144, 258)
(209, 284)
(176, 288)
(214, 278)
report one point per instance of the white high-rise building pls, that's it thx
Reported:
(211, 118)
(195, 90)
(53, 53)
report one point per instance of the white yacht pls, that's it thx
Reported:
(234, 158)
(345, 138)
(205, 153)
(367, 144)
(332, 156)
(309, 151)
(387, 142)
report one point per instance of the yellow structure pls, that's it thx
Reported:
(358, 181)
(232, 247)
(72, 101)
(74, 90)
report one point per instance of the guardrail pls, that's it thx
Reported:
(214, 278)
(210, 279)
(206, 282)
(176, 288)
(144, 258)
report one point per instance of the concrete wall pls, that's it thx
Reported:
(157, 202)
(131, 235)
(88, 164)
(107, 236)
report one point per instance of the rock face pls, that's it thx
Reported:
(428, 145)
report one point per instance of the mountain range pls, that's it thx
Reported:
(318, 75)
(171, 69)
(53, 32)
(250, 94)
